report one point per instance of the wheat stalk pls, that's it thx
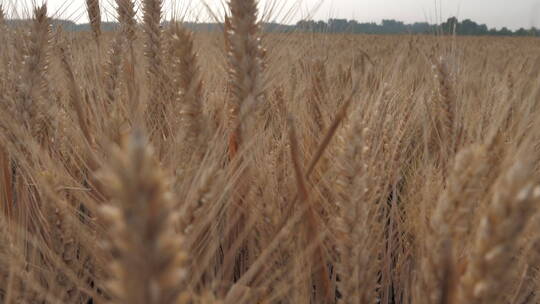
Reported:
(321, 280)
(75, 96)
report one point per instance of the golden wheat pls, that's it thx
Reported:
(288, 167)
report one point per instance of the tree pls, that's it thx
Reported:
(467, 27)
(522, 32)
(505, 32)
(305, 25)
(321, 27)
(391, 26)
(450, 26)
(338, 25)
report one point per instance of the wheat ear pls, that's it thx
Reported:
(2, 17)
(94, 15)
(451, 218)
(126, 16)
(356, 239)
(35, 89)
(446, 102)
(149, 256)
(245, 58)
(156, 112)
(489, 267)
(188, 81)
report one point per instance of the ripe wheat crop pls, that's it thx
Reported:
(157, 165)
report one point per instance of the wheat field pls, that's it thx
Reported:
(157, 165)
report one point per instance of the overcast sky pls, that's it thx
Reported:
(494, 13)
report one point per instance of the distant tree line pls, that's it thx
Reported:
(387, 26)
(71, 26)
(390, 26)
